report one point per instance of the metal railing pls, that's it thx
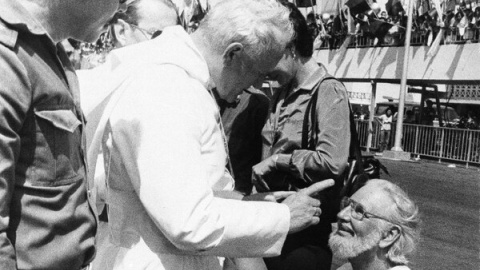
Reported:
(461, 145)
(362, 130)
(418, 38)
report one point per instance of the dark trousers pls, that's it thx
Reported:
(305, 250)
(384, 140)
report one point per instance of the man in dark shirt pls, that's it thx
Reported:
(243, 125)
(46, 216)
(428, 113)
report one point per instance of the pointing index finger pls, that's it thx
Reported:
(317, 187)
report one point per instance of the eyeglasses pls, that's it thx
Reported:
(357, 210)
(153, 34)
(128, 2)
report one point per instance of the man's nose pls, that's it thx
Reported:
(344, 214)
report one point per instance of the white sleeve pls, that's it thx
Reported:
(160, 129)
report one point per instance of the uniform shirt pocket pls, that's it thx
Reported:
(59, 159)
(62, 119)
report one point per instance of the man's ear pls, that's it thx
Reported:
(120, 29)
(232, 53)
(389, 237)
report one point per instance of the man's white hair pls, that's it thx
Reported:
(263, 27)
(404, 212)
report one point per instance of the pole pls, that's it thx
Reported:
(403, 83)
(371, 115)
(439, 107)
(422, 103)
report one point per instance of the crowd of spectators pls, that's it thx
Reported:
(459, 22)
(469, 121)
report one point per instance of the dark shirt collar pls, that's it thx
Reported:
(313, 77)
(222, 103)
(14, 14)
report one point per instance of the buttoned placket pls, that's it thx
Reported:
(71, 83)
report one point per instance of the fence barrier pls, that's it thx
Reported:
(461, 145)
(418, 38)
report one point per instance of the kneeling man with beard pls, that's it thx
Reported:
(377, 228)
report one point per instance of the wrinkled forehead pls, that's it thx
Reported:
(374, 198)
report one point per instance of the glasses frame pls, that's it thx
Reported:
(356, 206)
(128, 2)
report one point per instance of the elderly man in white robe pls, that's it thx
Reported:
(171, 204)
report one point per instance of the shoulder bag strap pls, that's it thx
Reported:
(355, 143)
(311, 111)
(357, 163)
(308, 112)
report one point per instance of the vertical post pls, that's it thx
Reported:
(469, 151)
(403, 83)
(313, 9)
(442, 141)
(439, 107)
(422, 102)
(416, 140)
(371, 114)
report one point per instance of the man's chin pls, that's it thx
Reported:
(339, 246)
(345, 247)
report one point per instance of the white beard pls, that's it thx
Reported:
(351, 247)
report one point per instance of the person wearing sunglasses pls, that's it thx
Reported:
(377, 228)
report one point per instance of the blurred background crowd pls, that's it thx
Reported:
(374, 24)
